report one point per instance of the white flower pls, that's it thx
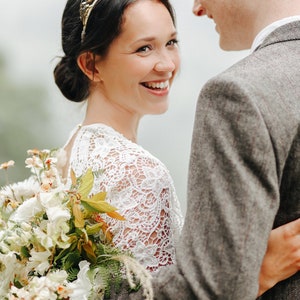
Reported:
(20, 191)
(42, 237)
(57, 227)
(51, 199)
(39, 288)
(38, 261)
(7, 165)
(58, 215)
(9, 267)
(15, 237)
(82, 285)
(27, 210)
(58, 276)
(34, 162)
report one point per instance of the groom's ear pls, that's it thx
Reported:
(87, 63)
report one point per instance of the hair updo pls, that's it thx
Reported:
(103, 26)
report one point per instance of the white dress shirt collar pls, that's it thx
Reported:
(267, 30)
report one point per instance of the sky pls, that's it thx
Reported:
(30, 43)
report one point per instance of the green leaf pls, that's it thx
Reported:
(24, 251)
(78, 215)
(86, 184)
(71, 260)
(61, 254)
(72, 274)
(98, 197)
(93, 229)
(100, 206)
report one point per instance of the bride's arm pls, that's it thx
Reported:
(144, 195)
(282, 258)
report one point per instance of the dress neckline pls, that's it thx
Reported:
(105, 126)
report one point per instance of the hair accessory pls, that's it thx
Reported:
(86, 6)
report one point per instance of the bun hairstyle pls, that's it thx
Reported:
(102, 27)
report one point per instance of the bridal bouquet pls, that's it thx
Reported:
(54, 241)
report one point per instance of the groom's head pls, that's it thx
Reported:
(239, 21)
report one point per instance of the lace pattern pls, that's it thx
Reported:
(139, 185)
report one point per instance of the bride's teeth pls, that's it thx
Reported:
(157, 85)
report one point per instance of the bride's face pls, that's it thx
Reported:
(142, 61)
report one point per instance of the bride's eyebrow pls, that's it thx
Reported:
(145, 39)
(152, 38)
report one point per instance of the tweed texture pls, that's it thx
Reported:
(244, 176)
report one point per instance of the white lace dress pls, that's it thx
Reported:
(139, 185)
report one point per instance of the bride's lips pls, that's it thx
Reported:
(157, 88)
(156, 85)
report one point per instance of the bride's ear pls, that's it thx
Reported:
(87, 63)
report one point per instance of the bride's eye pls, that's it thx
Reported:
(144, 49)
(172, 42)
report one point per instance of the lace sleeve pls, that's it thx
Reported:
(143, 192)
(140, 186)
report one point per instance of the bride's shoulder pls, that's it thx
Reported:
(104, 138)
(99, 144)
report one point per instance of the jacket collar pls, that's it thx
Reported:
(284, 33)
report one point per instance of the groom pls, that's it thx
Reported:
(244, 176)
(246, 154)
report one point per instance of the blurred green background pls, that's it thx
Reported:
(24, 122)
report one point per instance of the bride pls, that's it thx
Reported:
(122, 57)
(123, 78)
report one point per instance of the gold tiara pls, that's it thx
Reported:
(86, 7)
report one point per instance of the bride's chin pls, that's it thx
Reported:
(160, 110)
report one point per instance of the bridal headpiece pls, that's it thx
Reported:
(86, 7)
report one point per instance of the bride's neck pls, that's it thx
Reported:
(101, 111)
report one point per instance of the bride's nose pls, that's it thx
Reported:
(198, 9)
(165, 63)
